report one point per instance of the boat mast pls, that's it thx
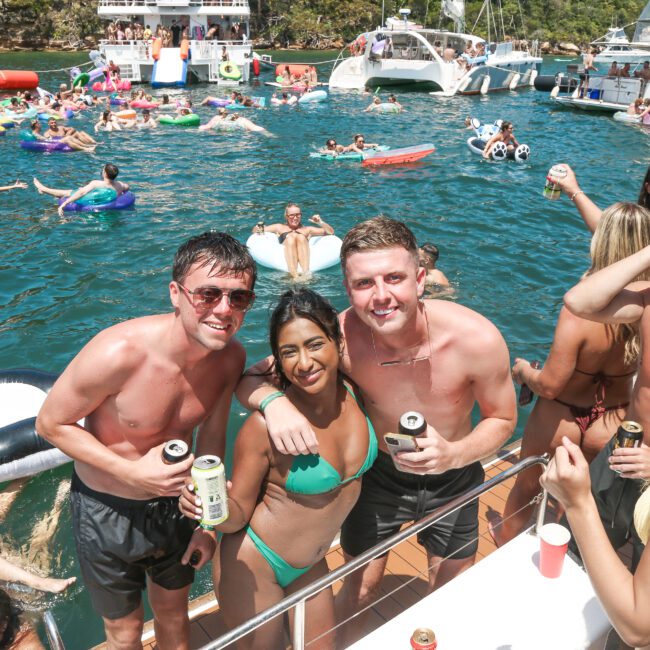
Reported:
(455, 9)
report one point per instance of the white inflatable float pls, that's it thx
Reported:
(22, 451)
(313, 96)
(324, 251)
(622, 116)
(499, 151)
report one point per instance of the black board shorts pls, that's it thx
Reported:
(390, 498)
(121, 541)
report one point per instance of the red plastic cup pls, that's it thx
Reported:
(553, 544)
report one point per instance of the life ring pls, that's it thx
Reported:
(6, 124)
(266, 250)
(219, 101)
(313, 96)
(500, 150)
(46, 117)
(100, 199)
(181, 120)
(143, 103)
(230, 70)
(387, 107)
(118, 101)
(622, 116)
(28, 141)
(81, 79)
(22, 450)
(126, 114)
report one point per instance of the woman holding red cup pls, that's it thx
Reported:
(625, 597)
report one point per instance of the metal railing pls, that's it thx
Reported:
(297, 599)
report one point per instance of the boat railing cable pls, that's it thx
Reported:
(52, 631)
(297, 600)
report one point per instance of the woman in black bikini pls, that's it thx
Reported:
(586, 381)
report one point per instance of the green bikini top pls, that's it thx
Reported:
(312, 474)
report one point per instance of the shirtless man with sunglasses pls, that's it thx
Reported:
(132, 388)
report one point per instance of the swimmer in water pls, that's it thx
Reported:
(360, 145)
(147, 121)
(70, 140)
(18, 185)
(108, 122)
(109, 174)
(435, 280)
(332, 148)
(217, 120)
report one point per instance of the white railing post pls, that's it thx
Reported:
(299, 626)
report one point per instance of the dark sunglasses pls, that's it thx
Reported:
(205, 297)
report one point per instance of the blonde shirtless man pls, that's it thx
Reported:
(139, 384)
(405, 353)
(295, 238)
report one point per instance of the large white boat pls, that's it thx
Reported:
(452, 62)
(139, 61)
(618, 49)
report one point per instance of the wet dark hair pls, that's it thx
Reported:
(9, 620)
(431, 251)
(111, 171)
(302, 303)
(644, 195)
(218, 250)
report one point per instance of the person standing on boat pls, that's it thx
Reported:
(613, 296)
(138, 385)
(406, 353)
(588, 66)
(294, 237)
(585, 384)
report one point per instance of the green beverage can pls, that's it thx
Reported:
(209, 477)
(552, 190)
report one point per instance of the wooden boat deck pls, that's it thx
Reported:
(404, 580)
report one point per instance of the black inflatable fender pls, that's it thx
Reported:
(19, 439)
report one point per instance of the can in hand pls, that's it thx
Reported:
(209, 477)
(423, 639)
(525, 394)
(629, 434)
(175, 451)
(552, 190)
(412, 423)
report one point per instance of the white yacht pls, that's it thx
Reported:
(140, 61)
(618, 49)
(406, 53)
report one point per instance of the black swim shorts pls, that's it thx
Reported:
(389, 498)
(121, 541)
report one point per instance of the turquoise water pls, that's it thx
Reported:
(510, 253)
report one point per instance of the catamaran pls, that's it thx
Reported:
(224, 61)
(454, 63)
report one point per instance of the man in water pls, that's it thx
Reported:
(55, 131)
(147, 121)
(70, 140)
(137, 385)
(405, 353)
(295, 238)
(331, 148)
(109, 174)
(435, 280)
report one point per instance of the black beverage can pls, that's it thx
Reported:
(412, 423)
(525, 393)
(175, 451)
(629, 434)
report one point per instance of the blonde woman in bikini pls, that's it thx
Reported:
(585, 384)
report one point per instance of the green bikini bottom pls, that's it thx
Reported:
(285, 574)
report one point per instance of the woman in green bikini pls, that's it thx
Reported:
(286, 510)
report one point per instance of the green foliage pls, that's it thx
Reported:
(314, 22)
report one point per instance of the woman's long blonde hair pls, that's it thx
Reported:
(623, 229)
